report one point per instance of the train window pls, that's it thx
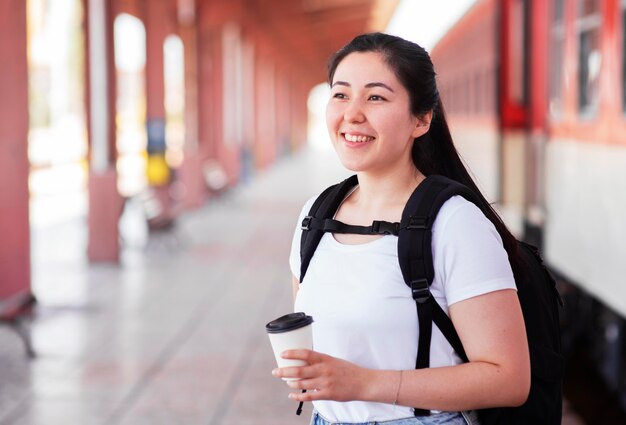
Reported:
(589, 56)
(557, 48)
(490, 92)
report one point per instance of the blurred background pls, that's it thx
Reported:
(154, 155)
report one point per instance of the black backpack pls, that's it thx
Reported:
(536, 290)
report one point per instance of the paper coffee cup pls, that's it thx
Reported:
(289, 332)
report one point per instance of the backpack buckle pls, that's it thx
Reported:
(306, 223)
(420, 290)
(417, 222)
(384, 228)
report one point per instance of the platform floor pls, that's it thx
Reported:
(175, 333)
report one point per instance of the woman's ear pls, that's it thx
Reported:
(423, 124)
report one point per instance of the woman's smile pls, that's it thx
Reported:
(356, 138)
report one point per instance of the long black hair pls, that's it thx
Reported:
(434, 152)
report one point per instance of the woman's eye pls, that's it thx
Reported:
(375, 97)
(339, 96)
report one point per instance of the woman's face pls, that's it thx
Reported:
(368, 115)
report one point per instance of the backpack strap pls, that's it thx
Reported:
(416, 262)
(325, 206)
(335, 226)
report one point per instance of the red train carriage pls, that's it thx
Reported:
(536, 95)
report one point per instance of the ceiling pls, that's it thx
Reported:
(314, 29)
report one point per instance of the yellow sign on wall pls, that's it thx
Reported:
(158, 171)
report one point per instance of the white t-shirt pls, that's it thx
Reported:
(363, 311)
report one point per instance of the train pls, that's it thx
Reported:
(535, 93)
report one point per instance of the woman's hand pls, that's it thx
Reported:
(324, 377)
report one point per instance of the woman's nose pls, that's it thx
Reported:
(354, 112)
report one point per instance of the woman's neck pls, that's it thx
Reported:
(377, 191)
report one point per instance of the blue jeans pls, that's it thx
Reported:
(444, 418)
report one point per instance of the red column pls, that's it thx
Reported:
(190, 173)
(210, 91)
(265, 105)
(105, 203)
(220, 23)
(283, 109)
(209, 84)
(156, 31)
(14, 223)
(158, 26)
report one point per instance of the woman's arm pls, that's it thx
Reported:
(491, 327)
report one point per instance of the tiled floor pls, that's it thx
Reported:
(175, 333)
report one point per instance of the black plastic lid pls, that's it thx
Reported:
(288, 322)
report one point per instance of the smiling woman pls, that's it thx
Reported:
(387, 124)
(422, 23)
(369, 110)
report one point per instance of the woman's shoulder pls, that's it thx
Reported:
(459, 209)
(460, 219)
(468, 255)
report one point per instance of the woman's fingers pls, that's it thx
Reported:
(299, 372)
(308, 356)
(309, 395)
(324, 377)
(313, 383)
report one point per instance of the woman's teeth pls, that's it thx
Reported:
(359, 139)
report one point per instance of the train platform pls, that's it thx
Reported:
(175, 333)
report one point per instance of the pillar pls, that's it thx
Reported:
(105, 203)
(266, 105)
(220, 54)
(14, 223)
(190, 173)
